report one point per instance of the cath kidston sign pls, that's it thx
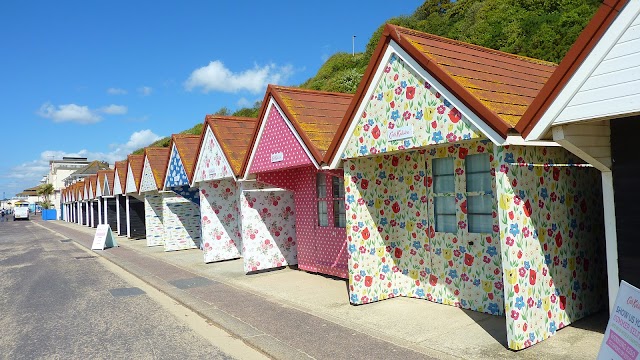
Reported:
(622, 337)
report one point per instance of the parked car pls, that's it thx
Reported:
(21, 211)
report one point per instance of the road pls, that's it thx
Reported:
(58, 300)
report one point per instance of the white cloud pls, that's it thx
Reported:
(116, 91)
(77, 113)
(114, 109)
(68, 113)
(145, 90)
(216, 77)
(31, 172)
(243, 102)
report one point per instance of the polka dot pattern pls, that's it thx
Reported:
(277, 137)
(320, 249)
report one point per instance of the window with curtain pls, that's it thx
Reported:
(339, 212)
(479, 193)
(444, 195)
(335, 199)
(321, 193)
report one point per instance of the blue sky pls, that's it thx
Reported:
(101, 79)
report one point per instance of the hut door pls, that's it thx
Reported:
(447, 254)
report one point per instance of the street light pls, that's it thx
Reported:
(353, 45)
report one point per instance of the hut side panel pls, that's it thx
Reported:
(153, 219)
(268, 228)
(552, 233)
(220, 215)
(181, 222)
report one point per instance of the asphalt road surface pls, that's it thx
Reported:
(59, 301)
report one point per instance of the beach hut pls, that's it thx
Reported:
(153, 169)
(446, 202)
(295, 128)
(135, 209)
(223, 147)
(95, 205)
(110, 216)
(119, 184)
(181, 202)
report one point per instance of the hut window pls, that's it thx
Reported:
(321, 193)
(323, 217)
(330, 201)
(479, 193)
(339, 212)
(444, 195)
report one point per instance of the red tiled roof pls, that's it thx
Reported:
(136, 162)
(576, 55)
(495, 85)
(316, 116)
(121, 168)
(187, 146)
(158, 158)
(234, 136)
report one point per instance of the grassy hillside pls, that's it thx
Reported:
(542, 29)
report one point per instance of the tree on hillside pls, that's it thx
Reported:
(223, 111)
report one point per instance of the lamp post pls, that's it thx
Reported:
(353, 45)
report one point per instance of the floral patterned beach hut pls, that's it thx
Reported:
(119, 184)
(223, 147)
(181, 202)
(135, 209)
(590, 106)
(153, 169)
(295, 128)
(444, 201)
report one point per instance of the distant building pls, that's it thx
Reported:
(89, 168)
(59, 170)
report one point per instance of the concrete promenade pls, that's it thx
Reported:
(291, 314)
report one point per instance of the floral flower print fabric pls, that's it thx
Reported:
(153, 219)
(405, 103)
(268, 228)
(551, 227)
(220, 216)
